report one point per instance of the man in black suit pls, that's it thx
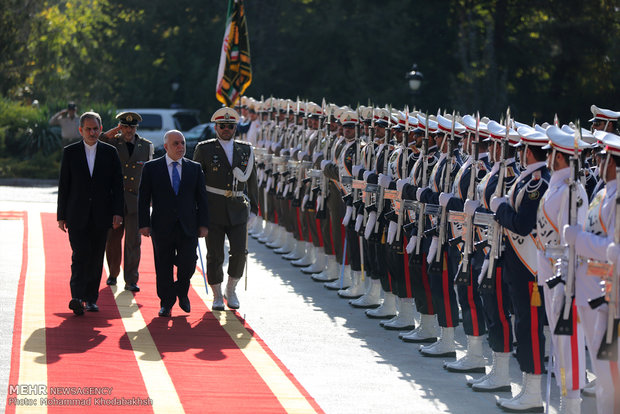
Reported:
(90, 200)
(176, 188)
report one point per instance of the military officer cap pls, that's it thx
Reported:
(314, 110)
(497, 132)
(432, 124)
(381, 117)
(563, 142)
(470, 123)
(611, 143)
(531, 136)
(444, 124)
(348, 118)
(585, 134)
(603, 114)
(129, 118)
(225, 116)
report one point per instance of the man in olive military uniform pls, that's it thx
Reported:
(133, 151)
(230, 177)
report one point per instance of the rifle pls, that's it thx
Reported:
(326, 154)
(403, 175)
(447, 187)
(424, 183)
(564, 325)
(495, 238)
(386, 153)
(464, 278)
(369, 160)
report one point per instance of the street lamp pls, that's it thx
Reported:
(415, 78)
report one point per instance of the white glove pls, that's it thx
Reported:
(418, 192)
(370, 225)
(251, 220)
(384, 180)
(269, 182)
(432, 252)
(347, 216)
(392, 232)
(359, 220)
(367, 174)
(319, 200)
(571, 233)
(444, 198)
(324, 163)
(356, 170)
(274, 146)
(301, 155)
(261, 177)
(400, 184)
(483, 271)
(316, 155)
(613, 253)
(303, 202)
(471, 206)
(286, 188)
(411, 245)
(496, 202)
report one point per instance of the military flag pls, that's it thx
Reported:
(235, 70)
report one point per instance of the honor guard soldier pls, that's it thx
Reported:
(418, 247)
(350, 285)
(555, 211)
(604, 120)
(516, 214)
(466, 279)
(495, 301)
(230, 179)
(443, 258)
(133, 151)
(595, 241)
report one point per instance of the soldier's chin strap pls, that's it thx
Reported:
(242, 176)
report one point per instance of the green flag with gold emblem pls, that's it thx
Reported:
(235, 70)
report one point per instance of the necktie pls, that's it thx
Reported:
(176, 180)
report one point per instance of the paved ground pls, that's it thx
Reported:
(346, 361)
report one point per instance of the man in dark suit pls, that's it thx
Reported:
(90, 200)
(176, 188)
(230, 177)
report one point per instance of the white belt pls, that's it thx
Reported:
(225, 193)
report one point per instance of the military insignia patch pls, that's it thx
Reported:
(534, 195)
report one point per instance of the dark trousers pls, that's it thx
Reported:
(420, 283)
(529, 320)
(88, 246)
(353, 249)
(237, 236)
(442, 288)
(474, 321)
(370, 259)
(496, 305)
(169, 250)
(335, 208)
(131, 249)
(398, 266)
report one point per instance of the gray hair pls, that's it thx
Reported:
(90, 115)
(172, 131)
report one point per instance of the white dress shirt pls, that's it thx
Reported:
(91, 153)
(228, 149)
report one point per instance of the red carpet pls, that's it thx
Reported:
(97, 353)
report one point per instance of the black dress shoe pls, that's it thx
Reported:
(92, 307)
(76, 306)
(184, 304)
(111, 281)
(132, 287)
(164, 311)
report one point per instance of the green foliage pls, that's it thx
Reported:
(540, 57)
(40, 166)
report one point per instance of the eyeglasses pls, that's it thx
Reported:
(226, 126)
